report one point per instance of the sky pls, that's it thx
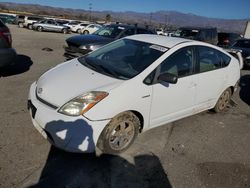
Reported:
(227, 9)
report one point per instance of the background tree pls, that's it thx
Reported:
(108, 18)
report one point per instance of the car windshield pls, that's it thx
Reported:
(242, 44)
(111, 31)
(123, 59)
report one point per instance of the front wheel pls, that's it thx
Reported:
(65, 31)
(120, 133)
(223, 101)
(40, 29)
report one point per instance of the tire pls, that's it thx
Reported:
(85, 32)
(119, 134)
(223, 101)
(39, 28)
(30, 27)
(20, 24)
(64, 31)
(78, 31)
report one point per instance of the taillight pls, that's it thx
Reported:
(7, 36)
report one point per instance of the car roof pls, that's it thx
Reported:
(168, 42)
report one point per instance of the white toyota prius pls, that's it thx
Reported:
(106, 98)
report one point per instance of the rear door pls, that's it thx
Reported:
(210, 76)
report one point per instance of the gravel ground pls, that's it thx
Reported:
(205, 150)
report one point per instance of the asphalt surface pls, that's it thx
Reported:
(205, 150)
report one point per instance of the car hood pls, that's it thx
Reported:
(88, 39)
(71, 79)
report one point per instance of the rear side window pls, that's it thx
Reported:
(208, 59)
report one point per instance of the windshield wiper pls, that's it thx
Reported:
(100, 68)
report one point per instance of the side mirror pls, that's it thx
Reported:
(168, 77)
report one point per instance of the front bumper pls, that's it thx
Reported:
(73, 134)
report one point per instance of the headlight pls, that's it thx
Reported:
(83, 103)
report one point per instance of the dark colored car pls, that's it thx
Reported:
(227, 39)
(7, 18)
(244, 46)
(82, 44)
(208, 35)
(7, 53)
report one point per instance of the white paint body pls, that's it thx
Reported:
(156, 103)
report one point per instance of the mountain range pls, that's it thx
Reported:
(171, 19)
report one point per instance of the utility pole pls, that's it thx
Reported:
(90, 11)
(150, 18)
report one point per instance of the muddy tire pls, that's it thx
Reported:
(223, 101)
(119, 134)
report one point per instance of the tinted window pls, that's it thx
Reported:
(242, 44)
(129, 32)
(180, 63)
(208, 59)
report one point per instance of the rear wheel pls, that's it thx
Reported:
(120, 133)
(223, 101)
(85, 32)
(30, 26)
(20, 24)
(78, 31)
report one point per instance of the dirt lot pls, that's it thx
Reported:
(205, 150)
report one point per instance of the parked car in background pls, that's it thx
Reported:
(30, 20)
(50, 25)
(78, 28)
(104, 99)
(82, 44)
(161, 32)
(71, 24)
(227, 39)
(19, 20)
(244, 46)
(7, 53)
(208, 35)
(91, 28)
(10, 19)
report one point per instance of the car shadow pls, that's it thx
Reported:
(245, 89)
(22, 64)
(64, 169)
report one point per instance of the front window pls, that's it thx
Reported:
(123, 59)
